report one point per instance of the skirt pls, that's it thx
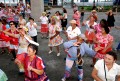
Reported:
(55, 41)
(44, 28)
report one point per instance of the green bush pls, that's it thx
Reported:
(89, 8)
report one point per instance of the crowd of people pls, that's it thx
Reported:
(19, 37)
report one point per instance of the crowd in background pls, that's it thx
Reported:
(18, 34)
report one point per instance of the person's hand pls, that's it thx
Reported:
(30, 68)
(23, 33)
(104, 50)
(98, 48)
(69, 38)
(17, 61)
(76, 44)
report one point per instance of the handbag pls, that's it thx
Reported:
(105, 71)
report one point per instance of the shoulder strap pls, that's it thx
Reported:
(105, 71)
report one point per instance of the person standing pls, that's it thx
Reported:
(33, 64)
(110, 18)
(13, 41)
(72, 31)
(64, 19)
(76, 16)
(32, 31)
(82, 14)
(44, 25)
(54, 35)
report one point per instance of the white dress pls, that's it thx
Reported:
(23, 44)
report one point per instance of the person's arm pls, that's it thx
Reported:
(108, 46)
(37, 71)
(94, 75)
(10, 34)
(35, 25)
(84, 23)
(57, 33)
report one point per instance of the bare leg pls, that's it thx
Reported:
(57, 47)
(50, 50)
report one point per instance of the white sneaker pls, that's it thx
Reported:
(58, 54)
(50, 51)
(63, 79)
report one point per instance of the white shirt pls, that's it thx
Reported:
(23, 21)
(31, 29)
(44, 20)
(73, 33)
(88, 26)
(111, 74)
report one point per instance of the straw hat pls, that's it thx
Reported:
(93, 11)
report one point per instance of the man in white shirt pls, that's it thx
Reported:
(32, 29)
(72, 31)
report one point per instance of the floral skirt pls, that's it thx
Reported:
(4, 44)
(55, 41)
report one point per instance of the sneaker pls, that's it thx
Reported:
(58, 54)
(50, 51)
(63, 79)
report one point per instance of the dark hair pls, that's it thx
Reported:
(20, 15)
(64, 10)
(0, 20)
(34, 47)
(31, 18)
(4, 21)
(58, 12)
(113, 54)
(75, 11)
(104, 25)
(12, 22)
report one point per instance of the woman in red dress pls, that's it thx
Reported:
(13, 40)
(33, 65)
(104, 42)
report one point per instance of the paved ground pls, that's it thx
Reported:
(55, 65)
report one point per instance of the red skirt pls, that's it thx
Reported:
(44, 28)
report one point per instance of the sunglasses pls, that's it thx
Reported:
(11, 24)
